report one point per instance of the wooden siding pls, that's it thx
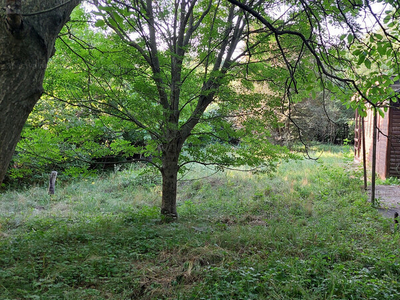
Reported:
(358, 138)
(381, 143)
(393, 169)
(381, 146)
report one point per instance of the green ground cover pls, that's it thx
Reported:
(306, 232)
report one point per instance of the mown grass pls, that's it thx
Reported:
(306, 232)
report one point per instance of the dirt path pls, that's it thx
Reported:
(388, 199)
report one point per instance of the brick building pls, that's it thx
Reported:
(387, 142)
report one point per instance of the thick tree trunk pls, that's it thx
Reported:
(27, 36)
(169, 173)
(14, 110)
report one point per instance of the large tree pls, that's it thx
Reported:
(28, 30)
(177, 73)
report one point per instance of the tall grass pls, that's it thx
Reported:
(306, 232)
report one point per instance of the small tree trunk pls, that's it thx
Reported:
(169, 173)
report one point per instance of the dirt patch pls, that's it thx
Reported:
(388, 199)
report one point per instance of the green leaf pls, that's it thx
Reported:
(381, 50)
(350, 38)
(362, 113)
(367, 63)
(100, 23)
(118, 18)
(361, 59)
(387, 19)
(313, 94)
(106, 8)
(372, 38)
(112, 22)
(96, 13)
(309, 88)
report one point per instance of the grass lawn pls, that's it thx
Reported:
(305, 232)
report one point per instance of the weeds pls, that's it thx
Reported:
(305, 233)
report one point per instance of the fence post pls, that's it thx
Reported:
(373, 175)
(52, 182)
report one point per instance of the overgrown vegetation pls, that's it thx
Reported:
(306, 232)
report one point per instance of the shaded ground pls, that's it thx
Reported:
(388, 197)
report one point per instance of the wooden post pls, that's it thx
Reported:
(374, 134)
(364, 153)
(52, 182)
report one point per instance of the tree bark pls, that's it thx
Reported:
(27, 37)
(373, 171)
(169, 171)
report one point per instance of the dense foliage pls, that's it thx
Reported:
(321, 119)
